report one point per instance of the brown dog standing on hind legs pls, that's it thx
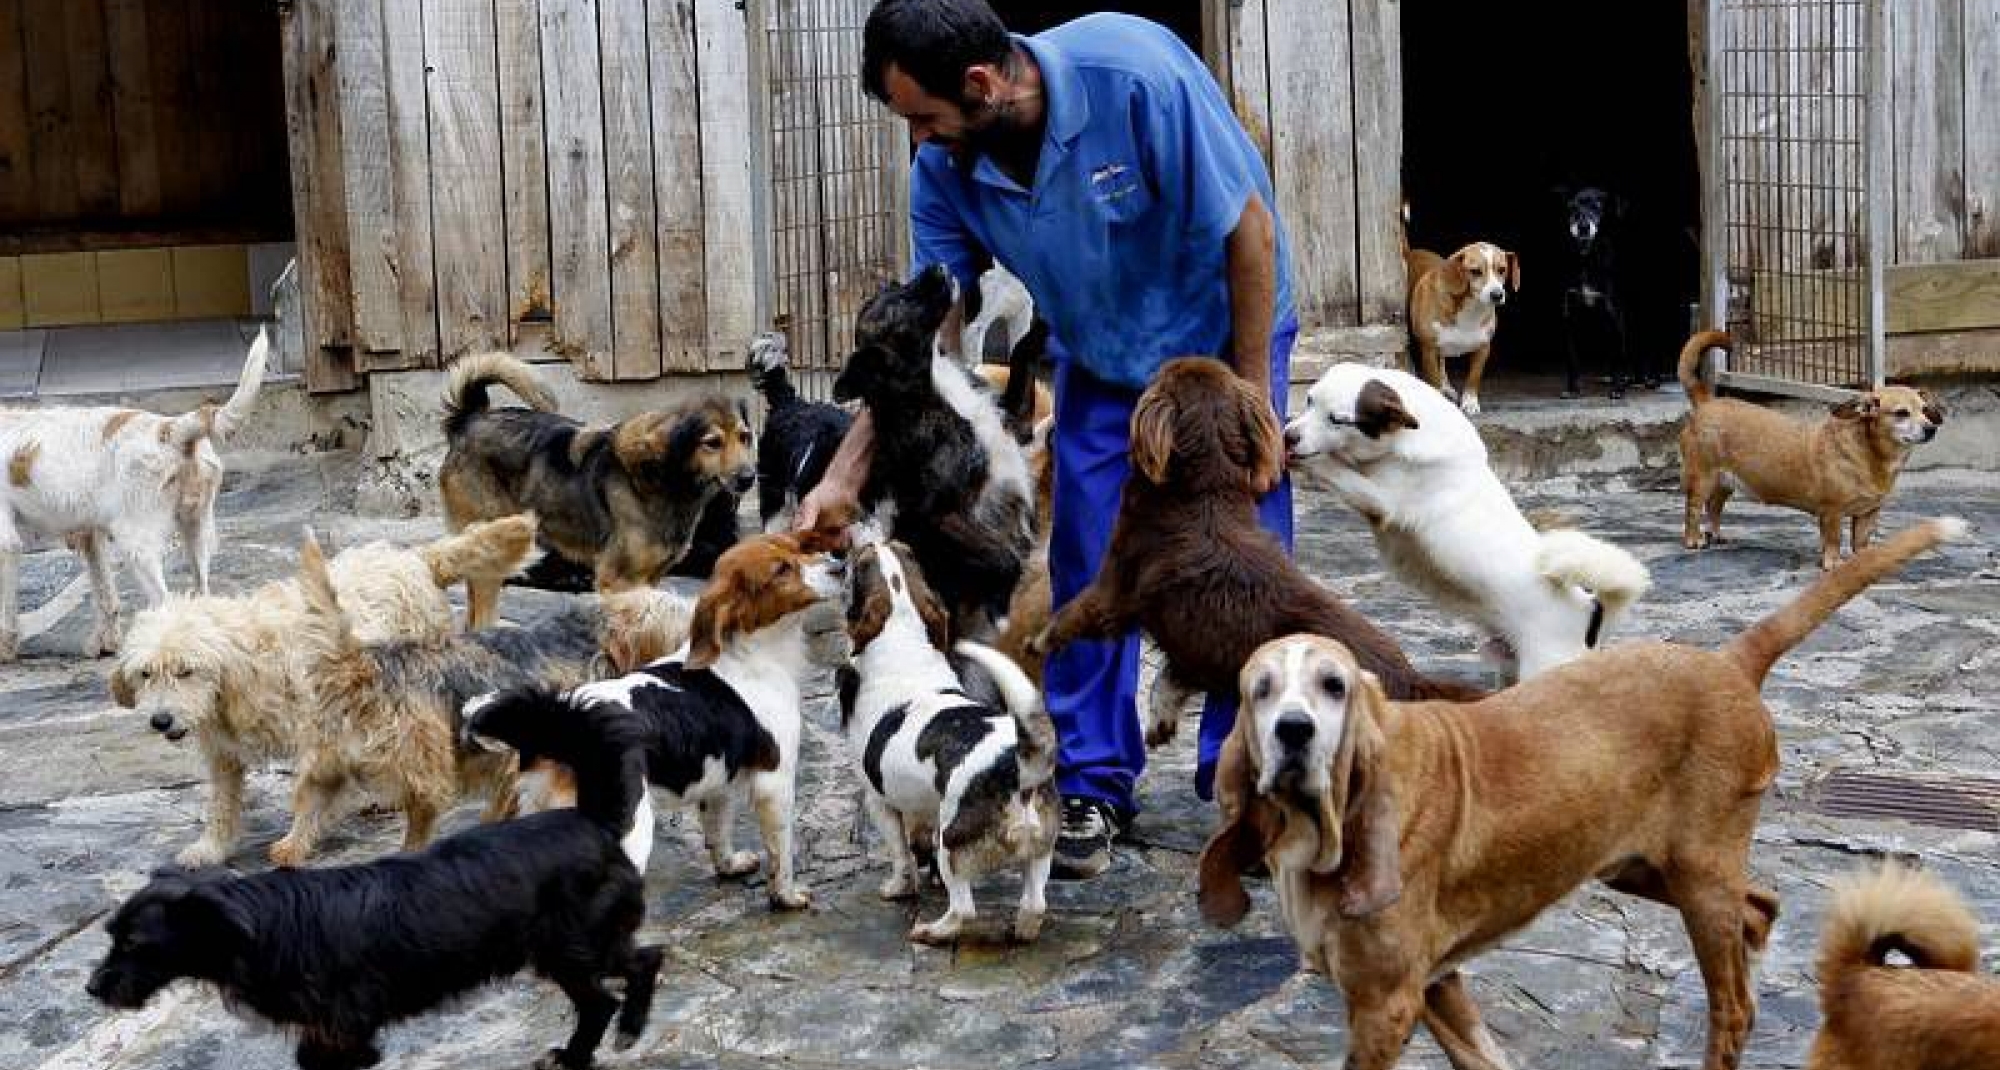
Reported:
(1843, 467)
(1404, 839)
(1454, 310)
(626, 499)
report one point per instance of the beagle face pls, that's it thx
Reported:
(1350, 416)
(759, 583)
(1296, 692)
(1489, 271)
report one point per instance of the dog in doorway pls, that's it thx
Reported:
(1593, 312)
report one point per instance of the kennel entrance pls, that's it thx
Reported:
(832, 170)
(1797, 195)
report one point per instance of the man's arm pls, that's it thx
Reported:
(839, 490)
(1251, 253)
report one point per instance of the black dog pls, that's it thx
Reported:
(1593, 313)
(955, 478)
(339, 953)
(800, 437)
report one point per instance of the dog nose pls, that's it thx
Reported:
(1294, 729)
(1497, 295)
(162, 721)
(1292, 437)
(743, 481)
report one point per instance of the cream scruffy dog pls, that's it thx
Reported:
(233, 672)
(113, 481)
(1406, 459)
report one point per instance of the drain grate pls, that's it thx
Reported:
(1946, 801)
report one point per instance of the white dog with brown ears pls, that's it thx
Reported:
(111, 480)
(1455, 308)
(1412, 465)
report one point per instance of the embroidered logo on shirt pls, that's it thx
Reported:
(1112, 181)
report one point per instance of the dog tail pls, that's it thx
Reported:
(218, 422)
(1034, 732)
(1612, 576)
(324, 626)
(1896, 908)
(1768, 640)
(488, 550)
(1690, 367)
(465, 391)
(601, 743)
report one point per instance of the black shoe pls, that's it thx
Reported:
(1083, 849)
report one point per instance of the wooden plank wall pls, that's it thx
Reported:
(547, 176)
(140, 123)
(1945, 73)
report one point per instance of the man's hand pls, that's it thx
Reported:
(831, 503)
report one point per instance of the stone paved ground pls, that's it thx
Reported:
(1125, 974)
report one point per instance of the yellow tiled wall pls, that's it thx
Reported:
(124, 286)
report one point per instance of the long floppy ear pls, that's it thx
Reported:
(1933, 408)
(1262, 436)
(1513, 272)
(1249, 826)
(1857, 408)
(121, 688)
(714, 620)
(1379, 410)
(214, 923)
(1453, 274)
(1370, 876)
(1153, 435)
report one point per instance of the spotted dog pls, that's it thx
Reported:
(973, 780)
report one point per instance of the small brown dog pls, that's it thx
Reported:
(1403, 839)
(626, 499)
(1454, 309)
(1842, 467)
(1939, 1013)
(1188, 562)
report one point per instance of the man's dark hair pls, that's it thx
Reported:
(933, 41)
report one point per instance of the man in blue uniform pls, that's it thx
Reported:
(1100, 163)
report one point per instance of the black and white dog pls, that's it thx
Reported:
(971, 780)
(944, 462)
(336, 954)
(800, 437)
(723, 719)
(1593, 312)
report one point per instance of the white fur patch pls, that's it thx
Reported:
(1006, 465)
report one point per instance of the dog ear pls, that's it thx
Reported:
(1263, 439)
(1153, 434)
(1370, 875)
(1933, 408)
(1379, 410)
(1454, 272)
(1513, 273)
(1250, 825)
(121, 687)
(1858, 408)
(214, 923)
(714, 620)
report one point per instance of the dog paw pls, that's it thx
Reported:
(103, 639)
(288, 853)
(790, 898)
(623, 1041)
(939, 933)
(1469, 404)
(740, 864)
(1162, 731)
(201, 854)
(900, 886)
(1028, 926)
(558, 1059)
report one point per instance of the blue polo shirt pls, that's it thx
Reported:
(1143, 173)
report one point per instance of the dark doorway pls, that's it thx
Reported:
(1033, 16)
(1503, 104)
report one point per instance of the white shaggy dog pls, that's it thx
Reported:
(233, 671)
(110, 480)
(1410, 463)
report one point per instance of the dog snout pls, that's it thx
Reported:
(161, 720)
(1294, 729)
(1293, 436)
(743, 480)
(1496, 295)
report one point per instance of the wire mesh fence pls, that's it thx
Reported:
(1791, 83)
(836, 165)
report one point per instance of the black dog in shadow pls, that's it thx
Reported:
(336, 954)
(1593, 310)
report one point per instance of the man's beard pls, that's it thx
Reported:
(991, 130)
